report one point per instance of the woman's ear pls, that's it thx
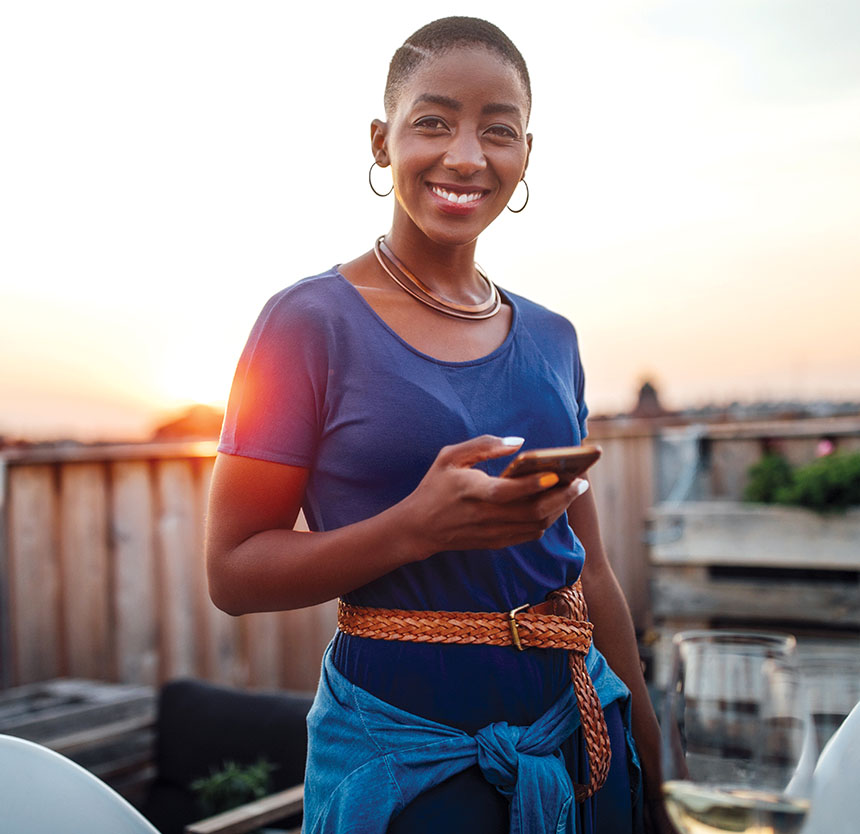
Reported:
(528, 151)
(378, 133)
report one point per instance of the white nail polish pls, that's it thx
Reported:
(582, 488)
(513, 441)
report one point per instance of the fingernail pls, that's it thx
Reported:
(513, 441)
(582, 487)
(548, 480)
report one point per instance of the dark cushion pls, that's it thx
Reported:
(200, 726)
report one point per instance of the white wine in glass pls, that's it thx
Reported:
(736, 735)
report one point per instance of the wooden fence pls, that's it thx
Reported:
(647, 464)
(624, 482)
(101, 567)
(102, 576)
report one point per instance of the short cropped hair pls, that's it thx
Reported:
(442, 36)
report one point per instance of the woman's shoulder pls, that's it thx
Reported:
(540, 320)
(319, 291)
(309, 302)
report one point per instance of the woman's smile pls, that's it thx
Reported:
(458, 199)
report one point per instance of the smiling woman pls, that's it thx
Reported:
(383, 397)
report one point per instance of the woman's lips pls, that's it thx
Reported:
(458, 201)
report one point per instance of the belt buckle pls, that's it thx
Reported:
(512, 623)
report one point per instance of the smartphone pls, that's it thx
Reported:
(568, 462)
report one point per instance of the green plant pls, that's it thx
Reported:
(766, 478)
(828, 484)
(233, 785)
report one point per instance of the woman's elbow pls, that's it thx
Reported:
(224, 600)
(223, 585)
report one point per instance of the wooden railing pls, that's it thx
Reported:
(101, 567)
(102, 576)
(624, 482)
(647, 464)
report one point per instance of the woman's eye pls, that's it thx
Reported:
(503, 131)
(431, 123)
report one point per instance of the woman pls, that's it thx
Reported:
(384, 397)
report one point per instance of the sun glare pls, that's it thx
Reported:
(194, 374)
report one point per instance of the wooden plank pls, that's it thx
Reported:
(305, 634)
(179, 537)
(623, 483)
(56, 708)
(86, 571)
(135, 603)
(107, 452)
(730, 461)
(264, 649)
(600, 431)
(689, 592)
(223, 648)
(808, 427)
(726, 533)
(34, 579)
(197, 563)
(75, 742)
(252, 815)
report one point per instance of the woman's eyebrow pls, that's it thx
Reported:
(493, 109)
(444, 101)
(452, 104)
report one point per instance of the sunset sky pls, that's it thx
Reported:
(167, 166)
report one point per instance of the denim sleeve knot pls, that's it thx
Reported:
(527, 767)
(368, 759)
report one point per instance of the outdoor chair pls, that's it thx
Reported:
(42, 792)
(201, 726)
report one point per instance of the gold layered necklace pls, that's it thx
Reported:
(420, 291)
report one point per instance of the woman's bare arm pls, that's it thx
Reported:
(257, 562)
(615, 637)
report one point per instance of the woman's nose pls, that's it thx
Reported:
(464, 154)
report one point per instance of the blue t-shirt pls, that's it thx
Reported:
(326, 384)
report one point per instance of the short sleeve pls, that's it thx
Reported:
(275, 407)
(571, 360)
(579, 389)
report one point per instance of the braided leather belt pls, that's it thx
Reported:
(559, 623)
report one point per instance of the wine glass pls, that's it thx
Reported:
(738, 747)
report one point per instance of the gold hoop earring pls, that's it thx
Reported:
(370, 180)
(517, 211)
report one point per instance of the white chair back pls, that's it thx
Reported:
(836, 793)
(42, 792)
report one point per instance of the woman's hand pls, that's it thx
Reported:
(458, 507)
(256, 562)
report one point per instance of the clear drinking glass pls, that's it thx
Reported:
(738, 746)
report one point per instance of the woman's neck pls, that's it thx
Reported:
(447, 269)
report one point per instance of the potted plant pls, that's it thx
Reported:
(233, 785)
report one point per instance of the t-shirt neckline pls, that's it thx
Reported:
(494, 354)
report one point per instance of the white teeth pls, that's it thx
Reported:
(459, 199)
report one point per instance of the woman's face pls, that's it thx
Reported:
(456, 143)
